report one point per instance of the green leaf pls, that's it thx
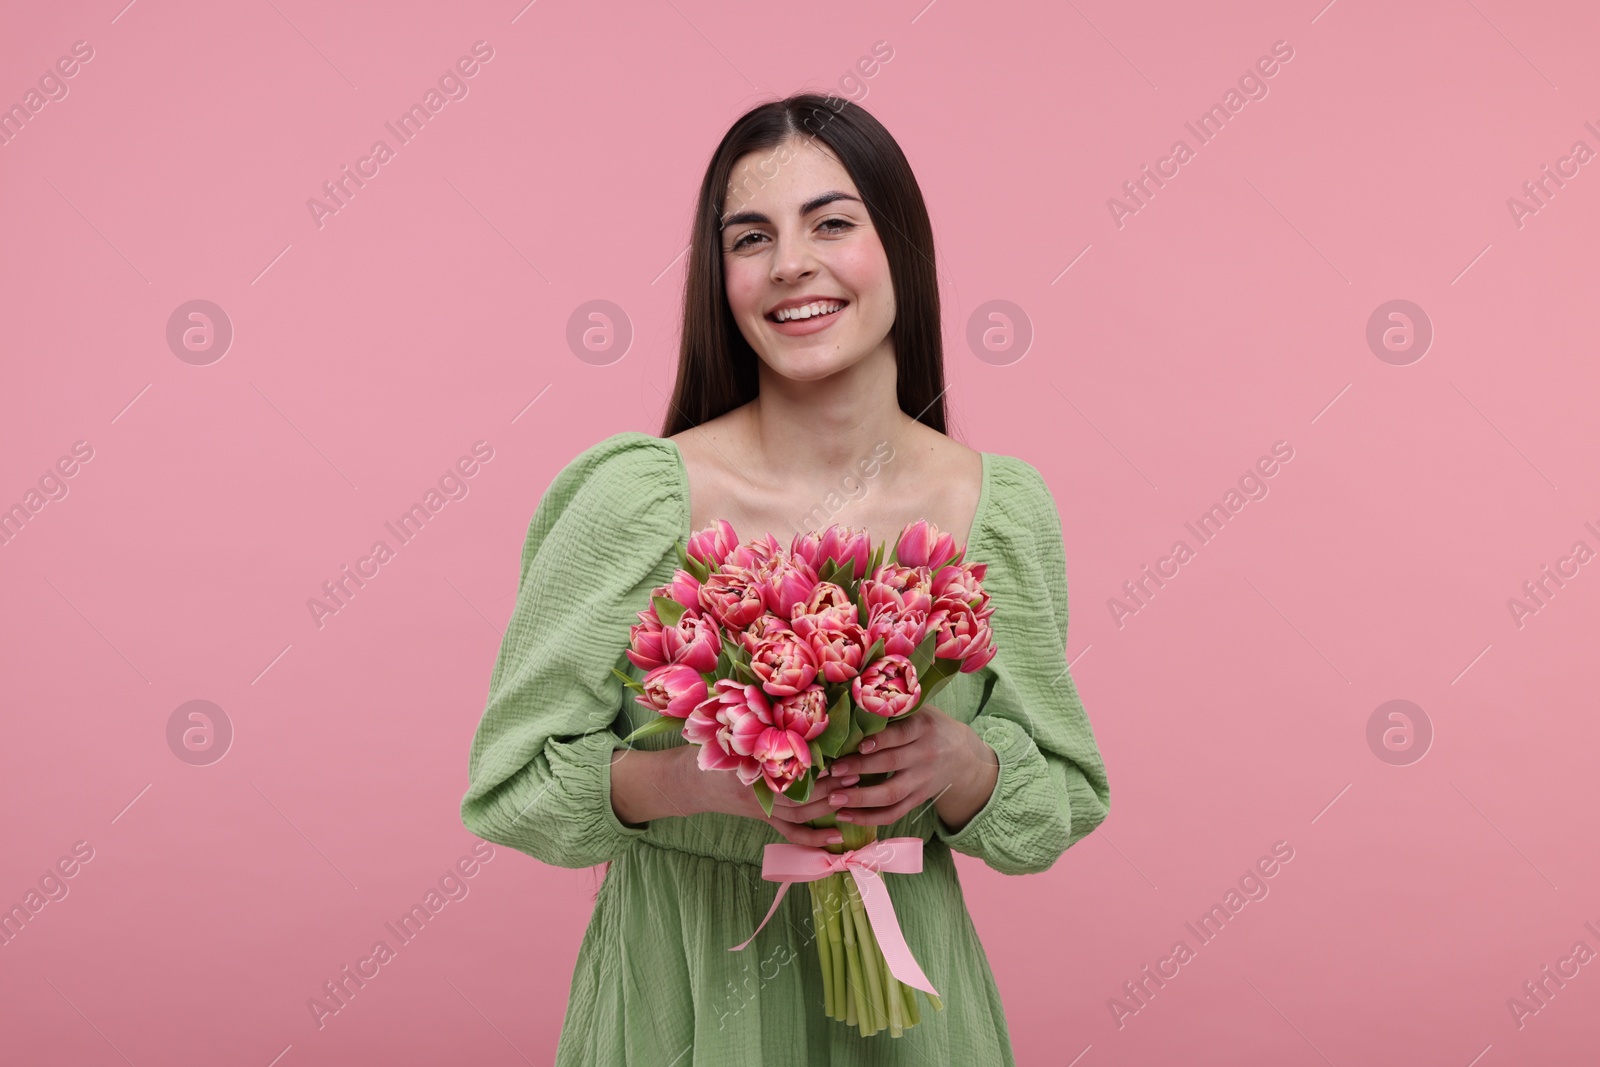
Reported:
(861, 605)
(661, 725)
(869, 723)
(852, 743)
(799, 790)
(937, 677)
(939, 682)
(669, 611)
(701, 571)
(831, 740)
(877, 559)
(826, 571)
(846, 575)
(764, 795)
(872, 653)
(922, 656)
(627, 680)
(940, 669)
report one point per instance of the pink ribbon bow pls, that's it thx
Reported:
(790, 863)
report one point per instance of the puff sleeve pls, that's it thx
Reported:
(540, 764)
(1051, 789)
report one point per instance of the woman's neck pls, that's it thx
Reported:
(804, 431)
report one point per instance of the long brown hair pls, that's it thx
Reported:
(716, 365)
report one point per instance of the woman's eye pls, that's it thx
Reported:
(830, 226)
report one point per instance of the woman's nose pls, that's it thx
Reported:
(792, 260)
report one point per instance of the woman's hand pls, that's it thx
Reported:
(933, 757)
(722, 791)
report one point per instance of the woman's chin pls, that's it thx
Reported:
(802, 366)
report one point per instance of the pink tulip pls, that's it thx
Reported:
(753, 553)
(963, 582)
(897, 588)
(735, 730)
(784, 662)
(694, 642)
(805, 712)
(826, 599)
(902, 631)
(966, 637)
(674, 689)
(922, 545)
(888, 687)
(979, 659)
(783, 756)
(838, 646)
(644, 641)
(765, 626)
(733, 596)
(684, 588)
(726, 726)
(712, 544)
(838, 543)
(785, 582)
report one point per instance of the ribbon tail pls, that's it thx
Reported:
(880, 909)
(782, 889)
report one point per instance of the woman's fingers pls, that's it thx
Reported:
(880, 816)
(886, 794)
(820, 789)
(811, 809)
(874, 754)
(877, 762)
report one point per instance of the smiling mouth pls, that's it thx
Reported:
(813, 310)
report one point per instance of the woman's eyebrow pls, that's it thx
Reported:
(805, 209)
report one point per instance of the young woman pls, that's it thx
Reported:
(807, 203)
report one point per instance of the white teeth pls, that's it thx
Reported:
(806, 311)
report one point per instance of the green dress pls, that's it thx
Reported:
(655, 984)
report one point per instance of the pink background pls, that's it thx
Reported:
(1229, 313)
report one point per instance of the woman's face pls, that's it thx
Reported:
(795, 231)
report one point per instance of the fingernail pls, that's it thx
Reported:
(835, 839)
(851, 780)
(843, 816)
(868, 746)
(836, 799)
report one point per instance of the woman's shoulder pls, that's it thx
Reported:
(1019, 507)
(619, 463)
(627, 477)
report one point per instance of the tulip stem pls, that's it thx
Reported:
(859, 1013)
(871, 957)
(832, 898)
(913, 1011)
(819, 931)
(893, 997)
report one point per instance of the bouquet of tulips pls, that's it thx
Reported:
(776, 662)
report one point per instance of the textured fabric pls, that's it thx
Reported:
(654, 982)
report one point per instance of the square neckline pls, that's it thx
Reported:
(979, 515)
